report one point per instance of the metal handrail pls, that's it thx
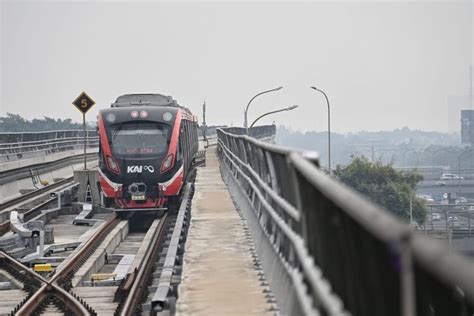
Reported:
(375, 262)
(13, 145)
(47, 132)
(331, 304)
(55, 140)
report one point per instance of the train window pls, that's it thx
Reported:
(179, 151)
(140, 138)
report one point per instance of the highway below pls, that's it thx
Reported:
(438, 187)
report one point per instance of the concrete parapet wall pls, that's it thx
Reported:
(41, 157)
(12, 190)
(97, 260)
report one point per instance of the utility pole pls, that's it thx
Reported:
(204, 126)
(373, 154)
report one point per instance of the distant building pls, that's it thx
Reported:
(467, 126)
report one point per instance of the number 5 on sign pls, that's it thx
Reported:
(83, 102)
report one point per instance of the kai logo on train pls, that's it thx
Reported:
(139, 169)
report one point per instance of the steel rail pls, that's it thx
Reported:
(75, 259)
(74, 305)
(20, 267)
(66, 297)
(37, 208)
(34, 193)
(64, 269)
(139, 279)
(169, 266)
(16, 174)
(5, 225)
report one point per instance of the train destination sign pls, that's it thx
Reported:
(83, 102)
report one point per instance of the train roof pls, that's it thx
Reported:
(127, 100)
(147, 99)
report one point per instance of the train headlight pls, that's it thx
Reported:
(113, 165)
(134, 114)
(167, 163)
(167, 116)
(110, 117)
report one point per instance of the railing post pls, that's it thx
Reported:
(407, 288)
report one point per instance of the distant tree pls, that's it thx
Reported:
(16, 123)
(384, 185)
(12, 122)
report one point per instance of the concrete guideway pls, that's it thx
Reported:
(219, 277)
(11, 190)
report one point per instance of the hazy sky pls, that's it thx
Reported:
(383, 65)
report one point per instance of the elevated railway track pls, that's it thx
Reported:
(319, 248)
(54, 292)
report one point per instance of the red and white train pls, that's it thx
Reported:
(147, 147)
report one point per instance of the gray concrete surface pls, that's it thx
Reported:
(12, 190)
(97, 260)
(9, 299)
(218, 277)
(100, 298)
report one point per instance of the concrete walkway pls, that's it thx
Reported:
(219, 277)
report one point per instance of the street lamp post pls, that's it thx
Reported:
(435, 152)
(273, 112)
(383, 150)
(329, 127)
(248, 105)
(410, 150)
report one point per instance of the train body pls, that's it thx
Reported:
(147, 147)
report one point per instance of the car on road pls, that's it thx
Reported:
(440, 183)
(471, 208)
(460, 200)
(453, 218)
(427, 198)
(450, 176)
(436, 216)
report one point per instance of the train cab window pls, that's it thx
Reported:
(140, 138)
(179, 150)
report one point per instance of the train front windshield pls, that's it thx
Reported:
(140, 139)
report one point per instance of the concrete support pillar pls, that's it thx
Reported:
(87, 178)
